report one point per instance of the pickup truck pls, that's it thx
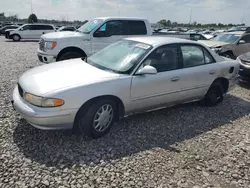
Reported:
(90, 38)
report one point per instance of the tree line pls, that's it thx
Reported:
(168, 23)
(33, 19)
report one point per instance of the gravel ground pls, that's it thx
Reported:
(185, 146)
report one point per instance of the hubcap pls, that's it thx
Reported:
(16, 37)
(215, 96)
(103, 118)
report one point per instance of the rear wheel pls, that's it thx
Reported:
(70, 55)
(16, 38)
(214, 95)
(97, 120)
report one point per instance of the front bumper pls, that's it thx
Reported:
(45, 58)
(43, 118)
(244, 72)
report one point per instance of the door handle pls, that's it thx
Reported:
(212, 72)
(175, 79)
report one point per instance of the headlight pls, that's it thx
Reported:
(42, 101)
(218, 49)
(49, 45)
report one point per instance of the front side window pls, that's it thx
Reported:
(246, 38)
(26, 27)
(89, 26)
(192, 56)
(164, 58)
(110, 28)
(119, 57)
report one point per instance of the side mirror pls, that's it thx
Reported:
(146, 70)
(21, 29)
(99, 34)
(241, 42)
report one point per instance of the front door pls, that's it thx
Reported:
(25, 32)
(243, 48)
(199, 70)
(108, 33)
(161, 89)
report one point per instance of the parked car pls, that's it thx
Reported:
(230, 44)
(90, 38)
(239, 28)
(67, 28)
(29, 31)
(3, 29)
(129, 76)
(244, 71)
(188, 36)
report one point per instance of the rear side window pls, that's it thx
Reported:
(42, 27)
(192, 56)
(136, 28)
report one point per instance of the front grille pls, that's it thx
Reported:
(20, 90)
(41, 44)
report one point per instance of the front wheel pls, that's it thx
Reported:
(97, 120)
(214, 95)
(229, 55)
(16, 38)
(69, 55)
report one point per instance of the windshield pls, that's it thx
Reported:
(230, 38)
(89, 26)
(120, 57)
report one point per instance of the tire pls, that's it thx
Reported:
(214, 95)
(16, 38)
(87, 122)
(229, 55)
(69, 55)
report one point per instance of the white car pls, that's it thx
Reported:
(129, 76)
(29, 31)
(90, 38)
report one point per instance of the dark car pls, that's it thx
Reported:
(67, 28)
(2, 30)
(244, 71)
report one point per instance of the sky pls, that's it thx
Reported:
(201, 11)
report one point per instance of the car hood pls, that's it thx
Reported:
(245, 57)
(64, 74)
(10, 30)
(212, 43)
(62, 35)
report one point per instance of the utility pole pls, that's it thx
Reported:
(31, 7)
(243, 18)
(190, 17)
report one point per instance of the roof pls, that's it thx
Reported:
(122, 18)
(160, 40)
(235, 32)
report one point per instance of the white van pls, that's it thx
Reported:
(90, 38)
(30, 31)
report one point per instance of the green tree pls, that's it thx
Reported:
(32, 18)
(163, 22)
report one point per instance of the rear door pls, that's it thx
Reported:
(199, 70)
(35, 31)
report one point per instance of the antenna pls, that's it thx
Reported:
(243, 18)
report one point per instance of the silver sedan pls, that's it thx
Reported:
(129, 76)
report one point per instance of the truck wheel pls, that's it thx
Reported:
(16, 38)
(97, 120)
(214, 95)
(229, 55)
(69, 55)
